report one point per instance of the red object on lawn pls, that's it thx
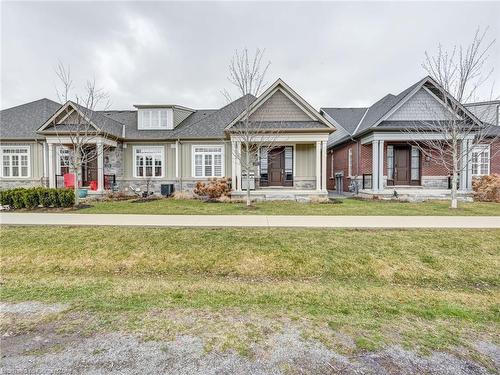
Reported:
(93, 185)
(69, 180)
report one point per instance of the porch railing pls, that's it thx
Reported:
(367, 181)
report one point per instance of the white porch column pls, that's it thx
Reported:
(318, 165)
(381, 165)
(466, 167)
(323, 165)
(100, 167)
(238, 165)
(45, 160)
(469, 165)
(233, 165)
(51, 167)
(177, 159)
(375, 165)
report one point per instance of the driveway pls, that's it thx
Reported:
(481, 222)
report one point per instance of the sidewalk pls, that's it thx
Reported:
(251, 221)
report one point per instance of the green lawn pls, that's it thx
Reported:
(427, 288)
(338, 207)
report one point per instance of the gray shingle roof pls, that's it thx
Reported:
(105, 123)
(22, 121)
(348, 118)
(204, 123)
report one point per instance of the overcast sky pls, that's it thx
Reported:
(331, 53)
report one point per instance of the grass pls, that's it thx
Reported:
(339, 207)
(426, 287)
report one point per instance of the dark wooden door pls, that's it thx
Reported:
(401, 165)
(276, 166)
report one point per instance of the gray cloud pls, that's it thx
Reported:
(332, 53)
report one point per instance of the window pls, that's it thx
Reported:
(331, 165)
(148, 161)
(208, 161)
(481, 160)
(415, 164)
(16, 161)
(150, 119)
(64, 160)
(390, 162)
(349, 162)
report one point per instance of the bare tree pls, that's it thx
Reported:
(76, 133)
(460, 73)
(247, 73)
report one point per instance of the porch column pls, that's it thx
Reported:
(318, 165)
(45, 160)
(378, 166)
(238, 165)
(51, 167)
(469, 165)
(323, 165)
(177, 159)
(233, 165)
(381, 165)
(466, 167)
(100, 167)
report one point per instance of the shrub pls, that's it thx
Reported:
(213, 189)
(30, 198)
(66, 197)
(487, 188)
(17, 198)
(43, 197)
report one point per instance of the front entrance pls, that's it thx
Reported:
(401, 165)
(89, 168)
(276, 166)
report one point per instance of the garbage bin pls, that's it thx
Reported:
(167, 189)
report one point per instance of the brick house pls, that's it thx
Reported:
(374, 149)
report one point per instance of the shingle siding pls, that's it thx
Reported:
(420, 107)
(279, 108)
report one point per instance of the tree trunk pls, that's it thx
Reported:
(454, 179)
(77, 194)
(247, 157)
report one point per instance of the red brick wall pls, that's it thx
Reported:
(495, 157)
(341, 163)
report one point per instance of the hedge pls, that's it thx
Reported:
(35, 197)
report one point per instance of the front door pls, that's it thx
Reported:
(276, 166)
(401, 165)
(89, 169)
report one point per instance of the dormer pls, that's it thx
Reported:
(160, 117)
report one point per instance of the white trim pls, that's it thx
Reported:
(28, 154)
(285, 138)
(161, 149)
(177, 161)
(168, 112)
(67, 140)
(480, 148)
(349, 162)
(294, 162)
(403, 136)
(360, 121)
(193, 166)
(305, 106)
(318, 165)
(59, 111)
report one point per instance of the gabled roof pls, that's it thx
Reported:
(22, 121)
(379, 113)
(97, 120)
(279, 85)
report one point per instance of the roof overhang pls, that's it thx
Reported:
(70, 108)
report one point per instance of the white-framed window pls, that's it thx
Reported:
(208, 160)
(15, 161)
(481, 160)
(349, 162)
(64, 161)
(415, 163)
(155, 118)
(149, 161)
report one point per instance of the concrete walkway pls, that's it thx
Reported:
(251, 221)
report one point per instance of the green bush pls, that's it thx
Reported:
(30, 198)
(54, 198)
(43, 197)
(66, 197)
(33, 197)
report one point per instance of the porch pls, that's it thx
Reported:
(292, 167)
(59, 167)
(399, 168)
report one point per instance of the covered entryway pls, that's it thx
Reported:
(402, 167)
(276, 166)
